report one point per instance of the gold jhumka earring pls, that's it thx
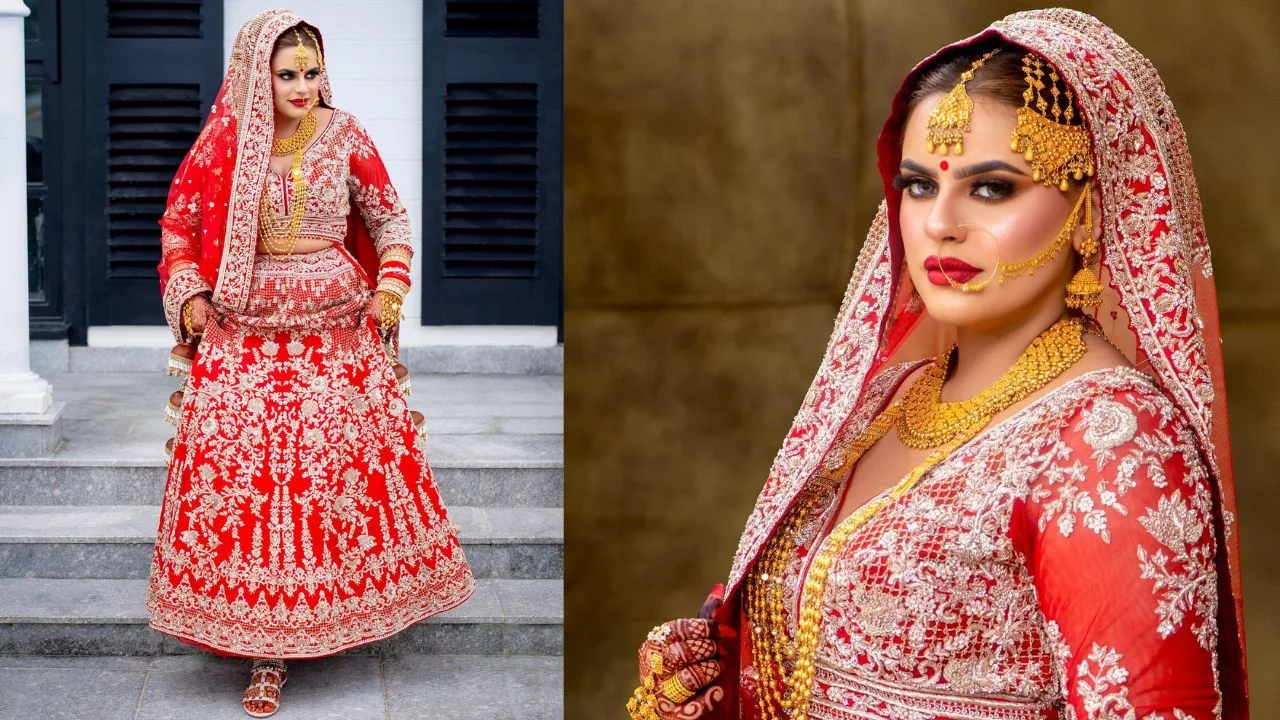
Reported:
(951, 118)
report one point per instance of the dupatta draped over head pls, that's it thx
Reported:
(212, 216)
(1160, 306)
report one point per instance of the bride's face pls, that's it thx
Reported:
(970, 212)
(294, 90)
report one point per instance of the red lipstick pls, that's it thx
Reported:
(955, 269)
(299, 103)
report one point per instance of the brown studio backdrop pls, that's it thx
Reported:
(720, 175)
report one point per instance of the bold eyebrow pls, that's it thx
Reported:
(917, 168)
(988, 166)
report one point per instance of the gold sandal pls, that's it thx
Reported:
(265, 681)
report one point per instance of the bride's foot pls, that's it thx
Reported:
(262, 697)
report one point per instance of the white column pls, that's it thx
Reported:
(21, 391)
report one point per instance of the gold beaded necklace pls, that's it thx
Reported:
(927, 422)
(786, 669)
(267, 223)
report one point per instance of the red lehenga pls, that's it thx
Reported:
(300, 517)
(1078, 560)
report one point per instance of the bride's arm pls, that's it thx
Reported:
(1123, 561)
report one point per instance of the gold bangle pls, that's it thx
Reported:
(188, 321)
(676, 691)
(391, 305)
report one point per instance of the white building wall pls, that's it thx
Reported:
(373, 53)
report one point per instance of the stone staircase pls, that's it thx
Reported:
(77, 528)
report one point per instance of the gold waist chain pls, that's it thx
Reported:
(786, 668)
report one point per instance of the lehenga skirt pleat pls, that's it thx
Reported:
(300, 517)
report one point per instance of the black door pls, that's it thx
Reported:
(44, 112)
(151, 71)
(492, 165)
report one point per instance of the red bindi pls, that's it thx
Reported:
(944, 165)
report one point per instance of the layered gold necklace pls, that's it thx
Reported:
(282, 243)
(924, 422)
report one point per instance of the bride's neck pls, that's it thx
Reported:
(986, 353)
(286, 126)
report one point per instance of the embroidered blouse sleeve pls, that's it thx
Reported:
(1123, 561)
(382, 211)
(180, 277)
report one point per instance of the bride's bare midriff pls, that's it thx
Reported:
(305, 246)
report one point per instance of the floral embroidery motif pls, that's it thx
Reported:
(1100, 682)
(1183, 572)
(300, 516)
(1107, 426)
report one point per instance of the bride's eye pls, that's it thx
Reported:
(992, 189)
(916, 186)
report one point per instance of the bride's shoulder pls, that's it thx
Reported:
(1117, 405)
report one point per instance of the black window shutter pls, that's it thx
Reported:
(492, 162)
(160, 64)
(149, 129)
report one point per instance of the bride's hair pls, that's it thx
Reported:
(289, 38)
(1000, 77)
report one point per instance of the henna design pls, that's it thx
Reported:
(702, 704)
(689, 629)
(699, 675)
(683, 654)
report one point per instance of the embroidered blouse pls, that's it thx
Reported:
(1060, 565)
(343, 170)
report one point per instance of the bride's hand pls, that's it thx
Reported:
(200, 309)
(374, 309)
(679, 665)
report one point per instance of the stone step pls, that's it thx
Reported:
(116, 542)
(108, 617)
(346, 687)
(494, 440)
(76, 481)
(53, 357)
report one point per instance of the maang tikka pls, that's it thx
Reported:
(952, 116)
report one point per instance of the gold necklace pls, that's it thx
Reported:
(764, 597)
(267, 223)
(927, 422)
(298, 140)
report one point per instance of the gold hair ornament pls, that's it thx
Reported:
(952, 116)
(1048, 133)
(315, 42)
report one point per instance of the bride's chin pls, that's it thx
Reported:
(956, 308)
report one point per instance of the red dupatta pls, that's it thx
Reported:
(1160, 306)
